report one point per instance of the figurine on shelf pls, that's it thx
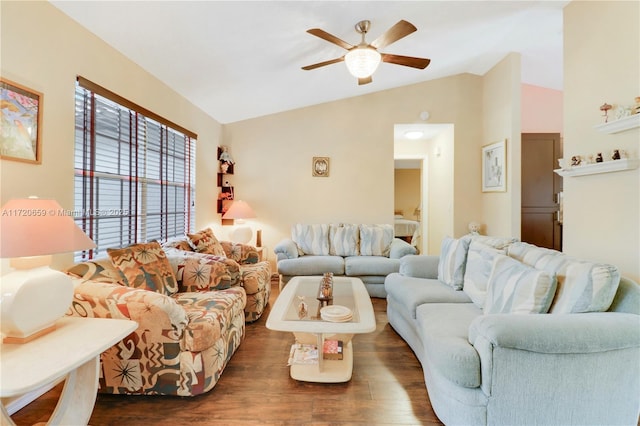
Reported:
(474, 228)
(605, 107)
(576, 160)
(599, 158)
(616, 155)
(637, 106)
(224, 167)
(225, 157)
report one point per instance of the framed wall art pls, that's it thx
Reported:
(21, 115)
(320, 167)
(494, 167)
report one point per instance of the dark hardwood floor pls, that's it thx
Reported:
(387, 388)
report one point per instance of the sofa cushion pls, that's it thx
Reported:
(453, 257)
(518, 288)
(100, 270)
(499, 243)
(344, 240)
(206, 242)
(241, 253)
(311, 265)
(145, 266)
(311, 239)
(375, 240)
(370, 265)
(180, 243)
(412, 292)
(586, 287)
(582, 286)
(444, 328)
(477, 271)
(199, 272)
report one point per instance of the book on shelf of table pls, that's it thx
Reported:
(333, 350)
(305, 354)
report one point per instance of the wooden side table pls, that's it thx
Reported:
(72, 350)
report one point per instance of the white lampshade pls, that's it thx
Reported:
(240, 210)
(33, 297)
(362, 61)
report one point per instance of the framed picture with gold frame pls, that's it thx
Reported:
(494, 167)
(21, 115)
(320, 167)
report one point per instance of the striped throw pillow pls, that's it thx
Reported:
(311, 239)
(453, 258)
(344, 240)
(517, 288)
(375, 240)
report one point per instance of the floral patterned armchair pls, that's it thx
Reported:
(189, 310)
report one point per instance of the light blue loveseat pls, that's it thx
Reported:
(485, 364)
(368, 252)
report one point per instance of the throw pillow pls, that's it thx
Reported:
(453, 258)
(344, 240)
(375, 240)
(311, 239)
(478, 270)
(205, 242)
(145, 266)
(517, 288)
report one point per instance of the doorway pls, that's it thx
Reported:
(541, 205)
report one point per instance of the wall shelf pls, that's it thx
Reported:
(617, 126)
(604, 167)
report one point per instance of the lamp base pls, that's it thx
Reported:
(31, 301)
(241, 234)
(20, 340)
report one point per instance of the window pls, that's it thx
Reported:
(134, 172)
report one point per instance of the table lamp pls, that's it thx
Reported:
(33, 296)
(240, 210)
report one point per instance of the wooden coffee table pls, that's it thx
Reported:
(349, 292)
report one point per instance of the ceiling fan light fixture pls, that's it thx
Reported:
(362, 61)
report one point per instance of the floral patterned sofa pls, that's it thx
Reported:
(190, 309)
(254, 276)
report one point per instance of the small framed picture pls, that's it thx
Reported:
(21, 115)
(320, 167)
(494, 167)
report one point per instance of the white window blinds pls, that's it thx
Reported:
(134, 172)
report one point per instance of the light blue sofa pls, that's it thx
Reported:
(368, 252)
(578, 364)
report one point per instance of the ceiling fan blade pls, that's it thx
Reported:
(365, 80)
(322, 64)
(393, 34)
(407, 61)
(330, 38)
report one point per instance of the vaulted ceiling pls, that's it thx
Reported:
(242, 59)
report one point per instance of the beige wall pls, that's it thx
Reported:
(502, 121)
(601, 64)
(45, 50)
(273, 154)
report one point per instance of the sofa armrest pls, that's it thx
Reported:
(420, 266)
(151, 310)
(565, 352)
(286, 249)
(559, 334)
(400, 248)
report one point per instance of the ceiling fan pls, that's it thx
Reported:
(363, 59)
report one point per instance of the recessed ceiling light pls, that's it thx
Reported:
(413, 134)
